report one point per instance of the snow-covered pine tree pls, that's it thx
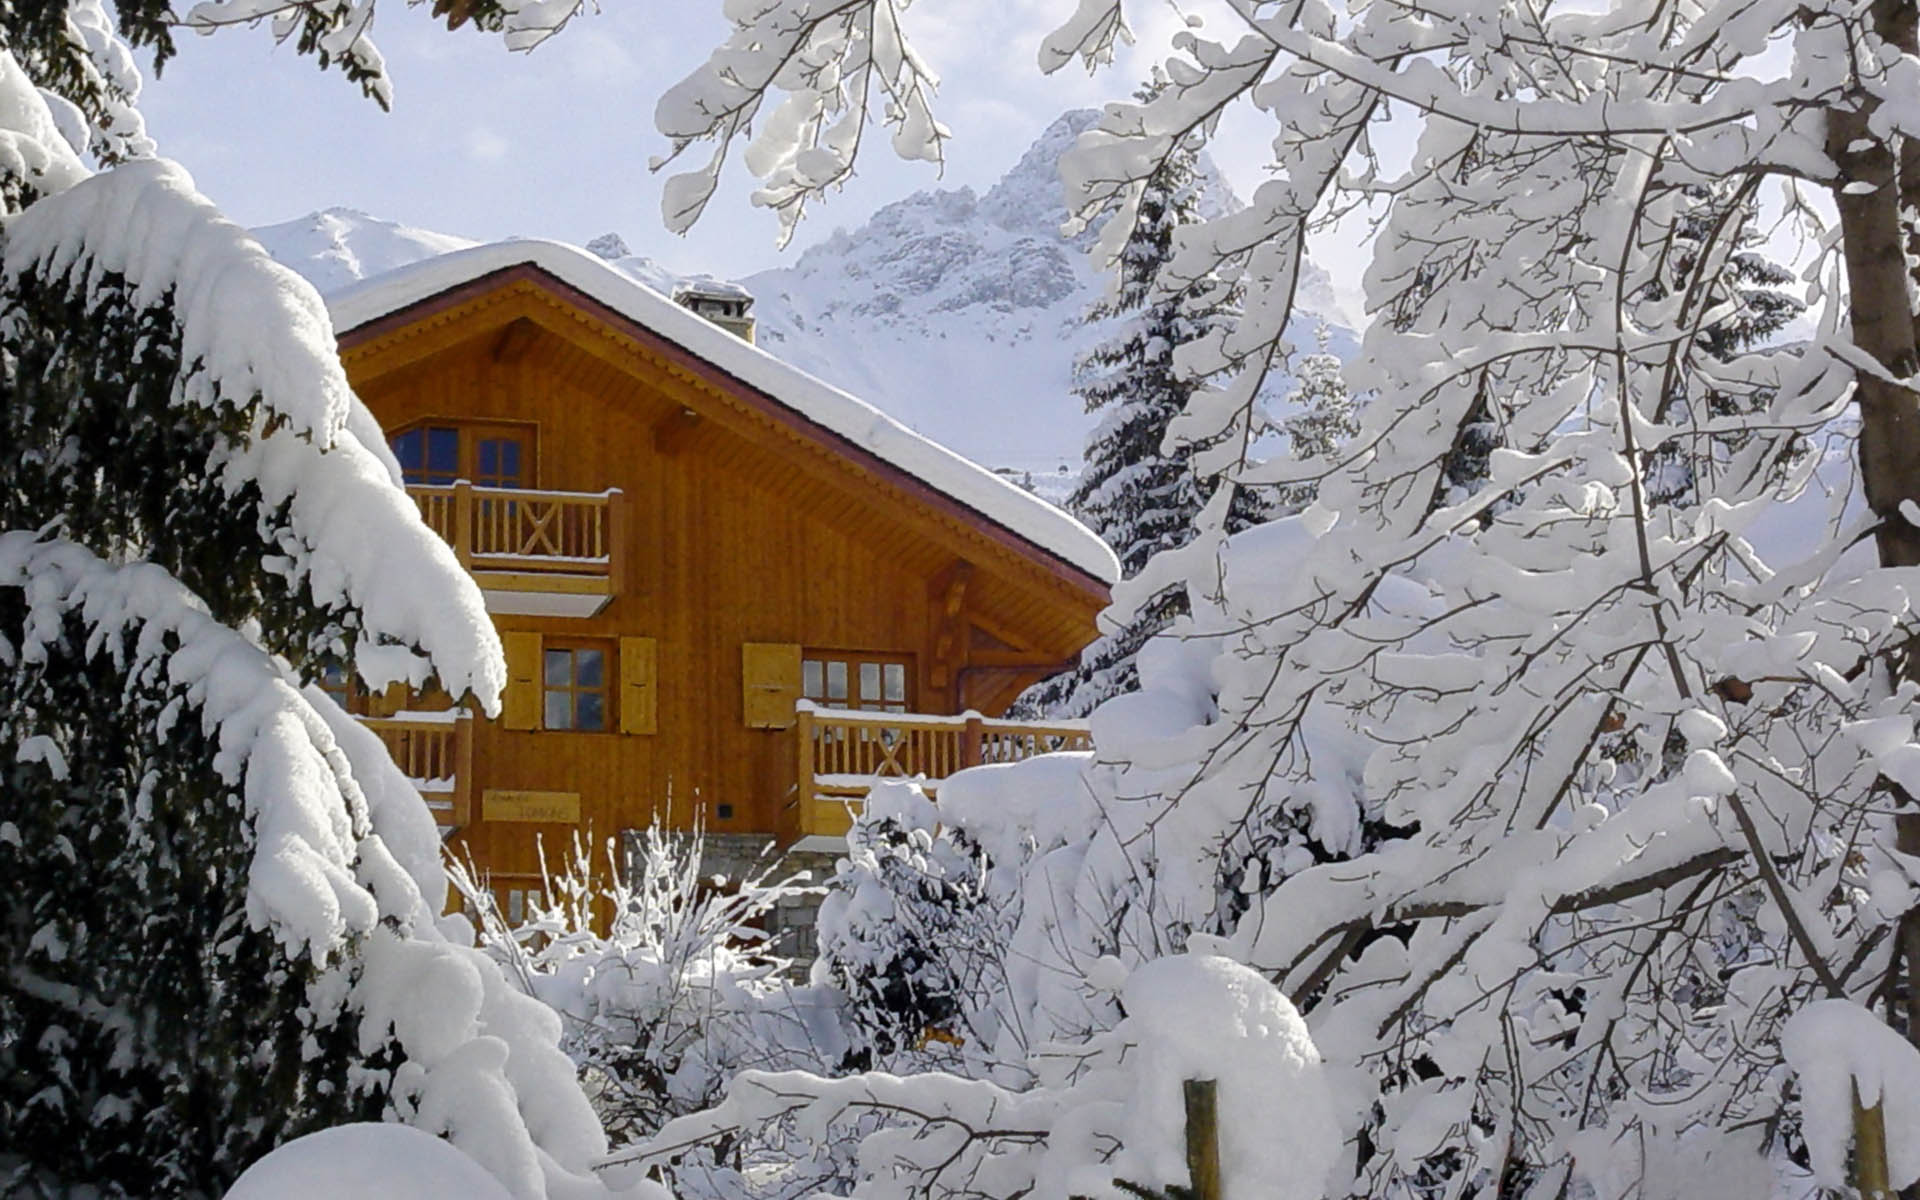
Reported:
(218, 925)
(1138, 490)
(1325, 418)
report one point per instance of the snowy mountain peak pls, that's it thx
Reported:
(338, 246)
(609, 246)
(1029, 198)
(956, 313)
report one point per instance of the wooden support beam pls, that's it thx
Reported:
(948, 593)
(671, 431)
(513, 340)
(1015, 660)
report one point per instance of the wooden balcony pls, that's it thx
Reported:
(842, 753)
(434, 751)
(535, 553)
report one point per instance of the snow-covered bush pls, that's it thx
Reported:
(681, 994)
(914, 933)
(1098, 1111)
(946, 925)
(1564, 748)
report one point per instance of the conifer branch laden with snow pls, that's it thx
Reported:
(220, 925)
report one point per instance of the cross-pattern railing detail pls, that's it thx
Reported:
(521, 529)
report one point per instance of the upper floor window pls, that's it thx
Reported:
(497, 462)
(575, 691)
(498, 456)
(428, 454)
(869, 682)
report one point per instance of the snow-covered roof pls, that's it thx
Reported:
(1019, 512)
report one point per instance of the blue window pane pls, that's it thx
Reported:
(510, 463)
(489, 458)
(410, 448)
(443, 452)
(592, 712)
(588, 669)
(559, 714)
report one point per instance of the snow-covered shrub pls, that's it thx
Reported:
(1096, 1112)
(914, 935)
(678, 996)
(948, 930)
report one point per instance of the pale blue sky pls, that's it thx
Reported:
(555, 143)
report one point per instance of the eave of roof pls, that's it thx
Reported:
(387, 301)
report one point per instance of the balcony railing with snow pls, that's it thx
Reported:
(434, 750)
(842, 753)
(539, 553)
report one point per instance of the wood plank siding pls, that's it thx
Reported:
(739, 523)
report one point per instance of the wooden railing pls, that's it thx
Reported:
(520, 529)
(842, 753)
(435, 751)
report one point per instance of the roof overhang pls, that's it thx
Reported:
(928, 472)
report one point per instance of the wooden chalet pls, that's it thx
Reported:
(724, 588)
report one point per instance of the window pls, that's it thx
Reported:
(574, 687)
(498, 462)
(871, 683)
(429, 454)
(521, 901)
(492, 456)
(336, 681)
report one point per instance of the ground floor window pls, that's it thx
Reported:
(867, 682)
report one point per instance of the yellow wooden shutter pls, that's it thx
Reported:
(639, 685)
(770, 683)
(520, 707)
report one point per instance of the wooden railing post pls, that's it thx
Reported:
(973, 742)
(1203, 1138)
(463, 771)
(615, 534)
(803, 778)
(462, 532)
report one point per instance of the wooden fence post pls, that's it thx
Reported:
(1870, 1175)
(1203, 1138)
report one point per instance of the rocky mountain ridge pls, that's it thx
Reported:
(957, 313)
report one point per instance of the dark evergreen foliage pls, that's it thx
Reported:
(151, 1042)
(1138, 493)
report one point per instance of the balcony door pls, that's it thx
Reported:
(488, 456)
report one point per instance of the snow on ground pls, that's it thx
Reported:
(367, 1162)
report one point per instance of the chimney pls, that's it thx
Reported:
(727, 305)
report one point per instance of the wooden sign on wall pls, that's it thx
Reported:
(499, 805)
